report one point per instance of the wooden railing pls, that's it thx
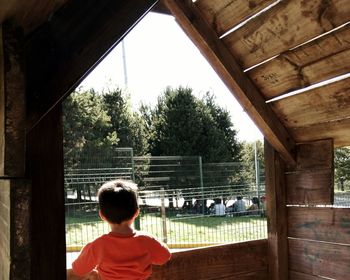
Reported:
(246, 260)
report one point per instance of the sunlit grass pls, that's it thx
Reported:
(176, 230)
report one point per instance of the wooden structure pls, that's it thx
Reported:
(272, 55)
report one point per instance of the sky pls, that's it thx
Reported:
(157, 54)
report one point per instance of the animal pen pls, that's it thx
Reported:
(176, 195)
(286, 62)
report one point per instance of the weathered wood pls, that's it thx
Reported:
(310, 187)
(13, 109)
(310, 181)
(321, 224)
(239, 261)
(45, 168)
(14, 224)
(319, 60)
(293, 275)
(2, 106)
(225, 14)
(17, 12)
(71, 44)
(320, 105)
(319, 258)
(339, 130)
(276, 214)
(284, 26)
(314, 155)
(205, 38)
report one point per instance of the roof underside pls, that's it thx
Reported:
(287, 62)
(296, 54)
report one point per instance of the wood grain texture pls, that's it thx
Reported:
(233, 261)
(14, 95)
(21, 191)
(293, 275)
(310, 181)
(207, 41)
(321, 224)
(2, 106)
(318, 258)
(310, 188)
(276, 214)
(317, 61)
(45, 169)
(314, 155)
(17, 12)
(285, 26)
(320, 105)
(225, 14)
(338, 130)
(71, 44)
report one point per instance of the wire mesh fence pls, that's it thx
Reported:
(165, 214)
(183, 201)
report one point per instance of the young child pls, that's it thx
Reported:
(123, 253)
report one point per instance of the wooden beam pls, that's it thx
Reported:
(207, 41)
(245, 260)
(66, 49)
(276, 214)
(2, 106)
(45, 169)
(12, 99)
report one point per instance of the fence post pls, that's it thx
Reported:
(137, 223)
(163, 215)
(201, 182)
(132, 164)
(257, 183)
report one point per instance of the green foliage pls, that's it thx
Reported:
(181, 124)
(248, 159)
(96, 124)
(130, 127)
(87, 129)
(342, 167)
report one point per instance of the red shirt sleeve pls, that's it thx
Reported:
(159, 251)
(85, 262)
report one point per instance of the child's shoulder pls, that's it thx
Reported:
(144, 235)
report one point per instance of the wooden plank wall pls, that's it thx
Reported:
(318, 237)
(241, 261)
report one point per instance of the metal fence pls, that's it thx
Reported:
(177, 196)
(181, 218)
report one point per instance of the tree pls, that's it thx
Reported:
(87, 129)
(181, 124)
(248, 160)
(342, 166)
(129, 126)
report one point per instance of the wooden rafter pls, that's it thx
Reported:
(230, 72)
(70, 45)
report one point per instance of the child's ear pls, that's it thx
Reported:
(103, 218)
(137, 213)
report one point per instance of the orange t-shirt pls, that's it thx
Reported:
(121, 257)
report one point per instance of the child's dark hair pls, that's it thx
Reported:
(118, 200)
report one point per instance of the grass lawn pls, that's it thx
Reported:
(178, 230)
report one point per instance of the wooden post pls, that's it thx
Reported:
(45, 168)
(163, 215)
(15, 191)
(276, 214)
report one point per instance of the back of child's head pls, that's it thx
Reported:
(118, 201)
